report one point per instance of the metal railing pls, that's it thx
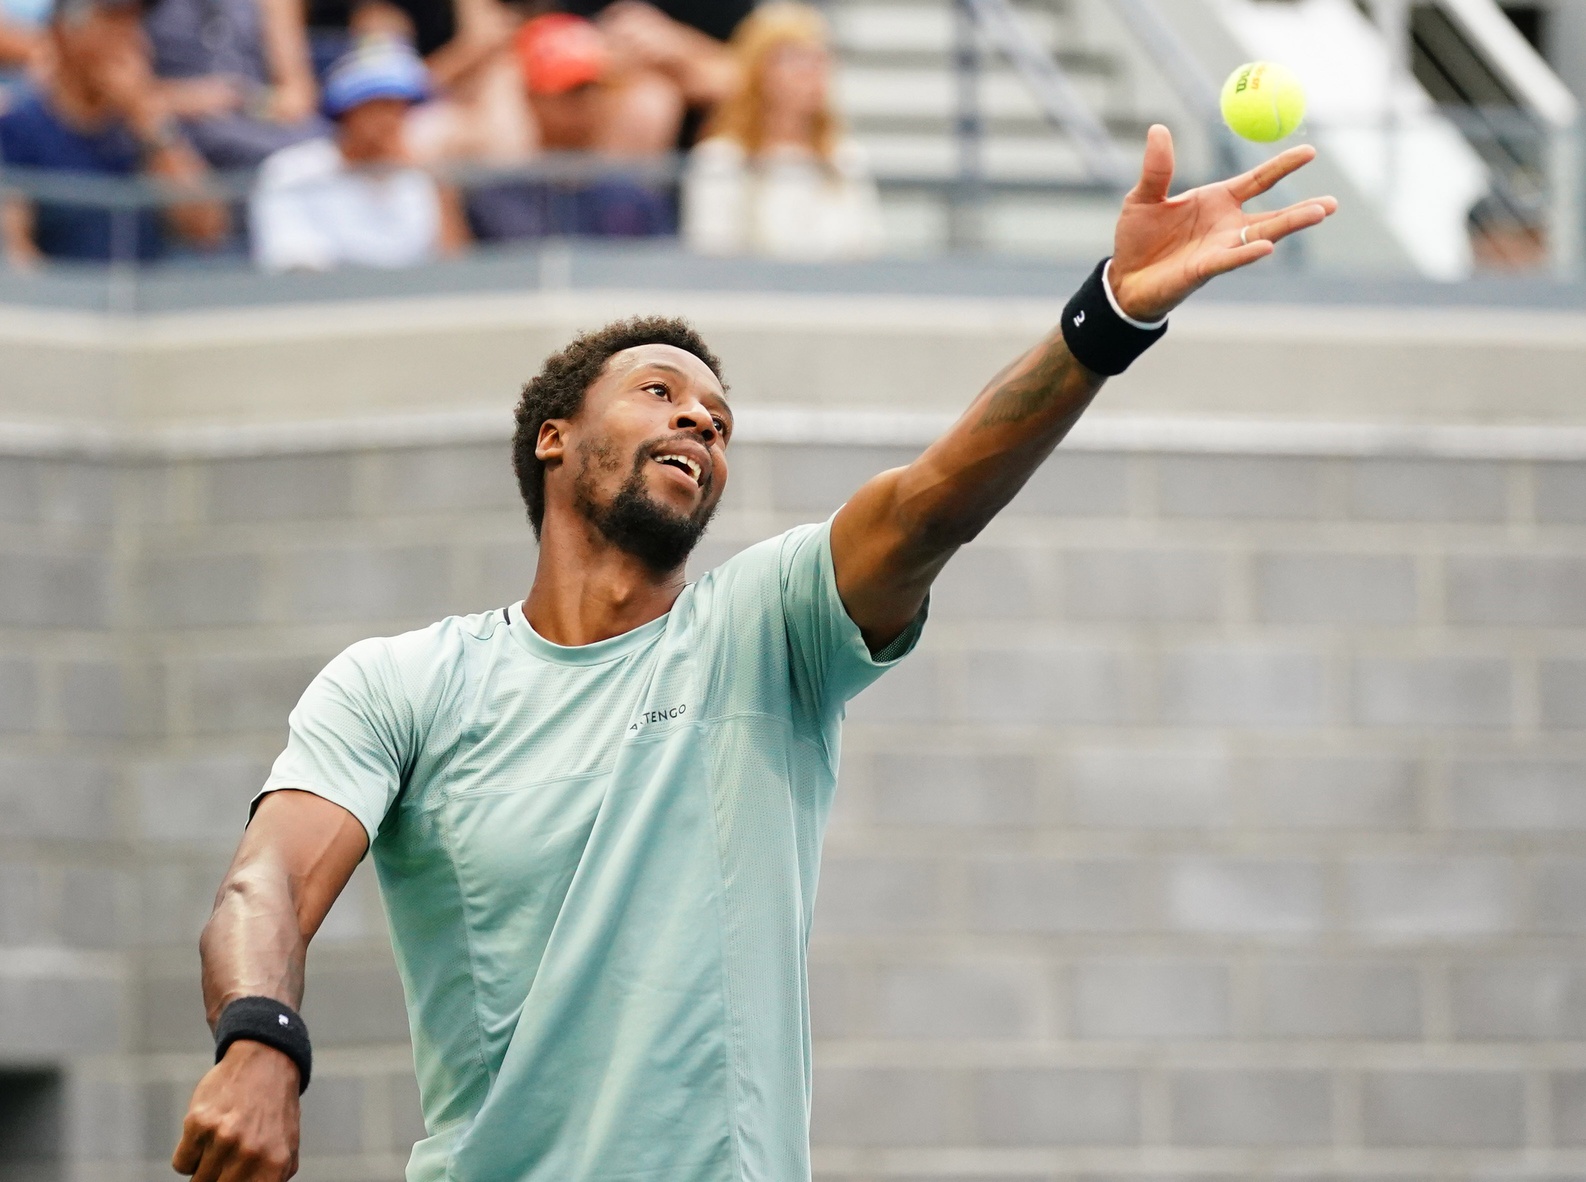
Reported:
(130, 199)
(1001, 26)
(1517, 248)
(1196, 89)
(1508, 104)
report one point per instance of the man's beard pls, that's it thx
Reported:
(633, 521)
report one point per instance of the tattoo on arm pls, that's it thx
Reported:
(1034, 390)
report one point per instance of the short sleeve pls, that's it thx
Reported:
(831, 661)
(349, 737)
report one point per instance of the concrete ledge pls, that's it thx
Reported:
(904, 352)
(793, 425)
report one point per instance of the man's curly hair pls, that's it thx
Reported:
(557, 391)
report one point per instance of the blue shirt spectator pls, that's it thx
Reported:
(33, 136)
(96, 113)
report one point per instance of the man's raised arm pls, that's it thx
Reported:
(296, 856)
(897, 532)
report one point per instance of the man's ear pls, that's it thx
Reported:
(551, 445)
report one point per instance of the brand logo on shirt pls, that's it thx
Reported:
(666, 715)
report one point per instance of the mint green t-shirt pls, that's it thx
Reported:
(599, 865)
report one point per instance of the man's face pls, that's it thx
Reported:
(645, 459)
(568, 121)
(371, 133)
(103, 50)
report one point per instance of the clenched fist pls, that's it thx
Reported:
(242, 1123)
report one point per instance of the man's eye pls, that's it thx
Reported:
(721, 427)
(657, 388)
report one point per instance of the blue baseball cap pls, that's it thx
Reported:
(376, 69)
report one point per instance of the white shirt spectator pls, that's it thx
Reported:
(786, 205)
(309, 210)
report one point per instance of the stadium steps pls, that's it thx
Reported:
(897, 88)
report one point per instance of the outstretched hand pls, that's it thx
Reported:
(1167, 247)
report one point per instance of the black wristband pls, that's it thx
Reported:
(275, 1024)
(1099, 338)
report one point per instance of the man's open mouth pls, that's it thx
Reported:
(681, 462)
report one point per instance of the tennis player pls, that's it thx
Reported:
(596, 815)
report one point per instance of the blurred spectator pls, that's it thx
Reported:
(477, 111)
(674, 57)
(581, 103)
(578, 106)
(237, 73)
(22, 35)
(97, 111)
(356, 198)
(775, 174)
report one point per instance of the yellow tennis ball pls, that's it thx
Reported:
(1263, 101)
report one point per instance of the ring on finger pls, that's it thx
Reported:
(1244, 235)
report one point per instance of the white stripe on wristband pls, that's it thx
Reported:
(1106, 286)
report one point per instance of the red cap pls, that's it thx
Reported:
(559, 51)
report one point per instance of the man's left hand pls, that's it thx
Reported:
(1167, 247)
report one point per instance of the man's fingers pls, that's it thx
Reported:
(202, 1153)
(241, 1170)
(1223, 261)
(214, 1161)
(245, 1169)
(1285, 222)
(1329, 207)
(189, 1152)
(1156, 170)
(1259, 237)
(1262, 177)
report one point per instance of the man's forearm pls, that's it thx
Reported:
(252, 945)
(296, 855)
(204, 222)
(18, 45)
(1046, 380)
(295, 858)
(243, 1120)
(966, 477)
(16, 230)
(898, 531)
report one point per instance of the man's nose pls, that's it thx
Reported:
(694, 418)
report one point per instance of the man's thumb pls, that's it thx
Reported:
(1156, 169)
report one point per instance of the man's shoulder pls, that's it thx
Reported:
(756, 576)
(447, 637)
(28, 127)
(419, 664)
(766, 554)
(314, 159)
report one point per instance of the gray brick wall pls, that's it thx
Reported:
(1281, 876)
(1230, 824)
